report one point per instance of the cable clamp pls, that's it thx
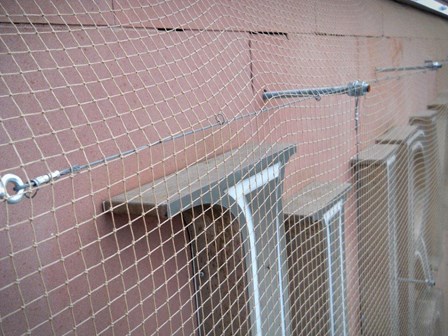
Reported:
(433, 65)
(44, 179)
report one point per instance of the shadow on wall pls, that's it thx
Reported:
(173, 291)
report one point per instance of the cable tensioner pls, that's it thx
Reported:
(13, 189)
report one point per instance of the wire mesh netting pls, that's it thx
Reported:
(222, 168)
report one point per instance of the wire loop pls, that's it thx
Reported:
(220, 118)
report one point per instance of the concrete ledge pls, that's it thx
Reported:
(374, 155)
(191, 186)
(314, 200)
(397, 135)
(440, 103)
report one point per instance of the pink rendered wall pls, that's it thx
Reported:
(83, 80)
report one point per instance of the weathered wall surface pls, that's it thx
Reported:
(82, 80)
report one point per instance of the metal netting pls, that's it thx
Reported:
(222, 168)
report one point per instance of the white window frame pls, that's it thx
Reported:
(336, 211)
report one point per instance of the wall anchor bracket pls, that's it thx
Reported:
(430, 283)
(353, 89)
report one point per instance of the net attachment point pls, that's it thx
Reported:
(358, 88)
(353, 89)
(428, 65)
(20, 188)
